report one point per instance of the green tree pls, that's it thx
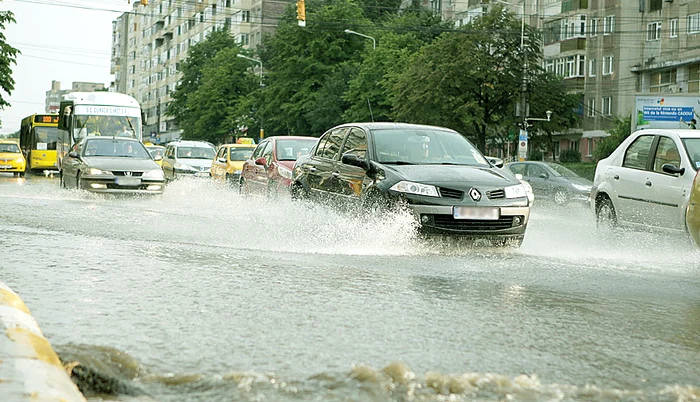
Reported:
(8, 56)
(468, 80)
(399, 38)
(192, 69)
(214, 109)
(308, 67)
(621, 130)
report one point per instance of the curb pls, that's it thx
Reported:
(30, 369)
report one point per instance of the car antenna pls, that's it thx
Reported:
(370, 110)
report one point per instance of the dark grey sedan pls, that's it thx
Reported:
(554, 182)
(445, 181)
(111, 165)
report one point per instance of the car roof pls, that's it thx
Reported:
(292, 137)
(110, 138)
(239, 145)
(680, 132)
(390, 125)
(187, 143)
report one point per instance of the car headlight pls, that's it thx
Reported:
(415, 188)
(97, 172)
(516, 191)
(528, 191)
(153, 174)
(581, 187)
(180, 166)
(284, 172)
(237, 171)
(19, 160)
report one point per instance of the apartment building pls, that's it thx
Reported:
(609, 51)
(55, 94)
(150, 42)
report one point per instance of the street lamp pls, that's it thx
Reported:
(522, 150)
(374, 42)
(262, 130)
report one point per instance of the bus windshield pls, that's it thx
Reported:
(46, 138)
(107, 126)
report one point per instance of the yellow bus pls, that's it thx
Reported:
(37, 138)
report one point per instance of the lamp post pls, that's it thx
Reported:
(522, 149)
(262, 130)
(374, 42)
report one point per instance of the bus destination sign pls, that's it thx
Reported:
(46, 118)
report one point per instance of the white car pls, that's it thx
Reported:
(646, 181)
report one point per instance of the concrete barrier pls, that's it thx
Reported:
(30, 369)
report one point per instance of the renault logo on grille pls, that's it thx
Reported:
(127, 173)
(475, 194)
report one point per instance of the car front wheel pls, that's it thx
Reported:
(561, 197)
(606, 217)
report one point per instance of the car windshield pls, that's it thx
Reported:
(421, 146)
(290, 150)
(156, 151)
(692, 145)
(195, 152)
(561, 171)
(116, 148)
(241, 154)
(11, 148)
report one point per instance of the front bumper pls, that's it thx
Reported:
(13, 167)
(111, 185)
(439, 219)
(193, 173)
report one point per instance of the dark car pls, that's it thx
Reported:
(111, 165)
(445, 181)
(268, 171)
(554, 182)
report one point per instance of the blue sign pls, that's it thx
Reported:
(667, 113)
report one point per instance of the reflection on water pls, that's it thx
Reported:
(200, 294)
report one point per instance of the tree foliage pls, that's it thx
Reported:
(8, 57)
(621, 130)
(308, 67)
(468, 80)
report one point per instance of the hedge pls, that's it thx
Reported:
(585, 170)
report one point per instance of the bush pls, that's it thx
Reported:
(585, 170)
(570, 156)
(535, 155)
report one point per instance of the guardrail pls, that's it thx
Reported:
(30, 369)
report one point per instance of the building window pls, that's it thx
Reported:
(607, 106)
(654, 31)
(609, 25)
(549, 66)
(244, 39)
(590, 147)
(694, 23)
(570, 66)
(592, 67)
(573, 145)
(608, 65)
(694, 78)
(591, 108)
(662, 81)
(655, 5)
(581, 65)
(674, 28)
(594, 26)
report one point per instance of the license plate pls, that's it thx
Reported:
(128, 181)
(202, 174)
(5, 166)
(477, 213)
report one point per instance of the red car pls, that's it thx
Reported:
(268, 171)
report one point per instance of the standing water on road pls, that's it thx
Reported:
(203, 295)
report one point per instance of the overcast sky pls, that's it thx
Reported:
(62, 40)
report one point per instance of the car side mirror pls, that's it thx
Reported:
(672, 169)
(544, 176)
(518, 176)
(158, 158)
(354, 160)
(221, 160)
(261, 161)
(73, 154)
(497, 162)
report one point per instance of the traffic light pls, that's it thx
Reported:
(301, 13)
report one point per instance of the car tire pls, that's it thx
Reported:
(605, 215)
(243, 187)
(561, 198)
(375, 204)
(298, 192)
(20, 174)
(78, 184)
(61, 182)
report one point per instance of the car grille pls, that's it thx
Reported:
(496, 194)
(451, 193)
(450, 223)
(133, 174)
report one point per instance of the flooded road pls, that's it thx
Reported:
(202, 295)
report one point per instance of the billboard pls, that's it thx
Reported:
(665, 111)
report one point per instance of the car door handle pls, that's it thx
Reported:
(616, 177)
(335, 174)
(648, 183)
